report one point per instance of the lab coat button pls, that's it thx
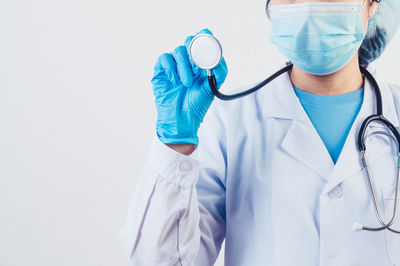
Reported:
(185, 166)
(336, 193)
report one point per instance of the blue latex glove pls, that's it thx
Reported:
(182, 94)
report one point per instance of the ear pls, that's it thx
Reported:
(372, 7)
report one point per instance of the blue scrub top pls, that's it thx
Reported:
(332, 116)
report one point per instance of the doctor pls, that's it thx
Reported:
(277, 174)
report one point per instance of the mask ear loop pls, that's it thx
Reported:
(362, 7)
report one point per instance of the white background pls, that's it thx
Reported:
(77, 112)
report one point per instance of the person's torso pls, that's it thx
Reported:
(286, 202)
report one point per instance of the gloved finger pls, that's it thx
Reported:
(184, 67)
(205, 31)
(159, 71)
(161, 82)
(220, 72)
(168, 63)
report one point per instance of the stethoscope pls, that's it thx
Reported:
(205, 51)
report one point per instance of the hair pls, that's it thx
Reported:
(381, 29)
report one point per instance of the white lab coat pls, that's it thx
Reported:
(262, 178)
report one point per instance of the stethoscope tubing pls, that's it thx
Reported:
(213, 85)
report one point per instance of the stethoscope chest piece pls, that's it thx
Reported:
(205, 51)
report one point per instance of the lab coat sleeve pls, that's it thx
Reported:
(177, 213)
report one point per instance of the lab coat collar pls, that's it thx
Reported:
(280, 98)
(302, 140)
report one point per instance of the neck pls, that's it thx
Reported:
(347, 79)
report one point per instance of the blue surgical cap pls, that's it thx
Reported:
(381, 29)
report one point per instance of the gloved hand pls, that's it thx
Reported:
(182, 94)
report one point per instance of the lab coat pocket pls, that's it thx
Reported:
(392, 239)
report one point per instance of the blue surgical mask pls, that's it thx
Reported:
(318, 37)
